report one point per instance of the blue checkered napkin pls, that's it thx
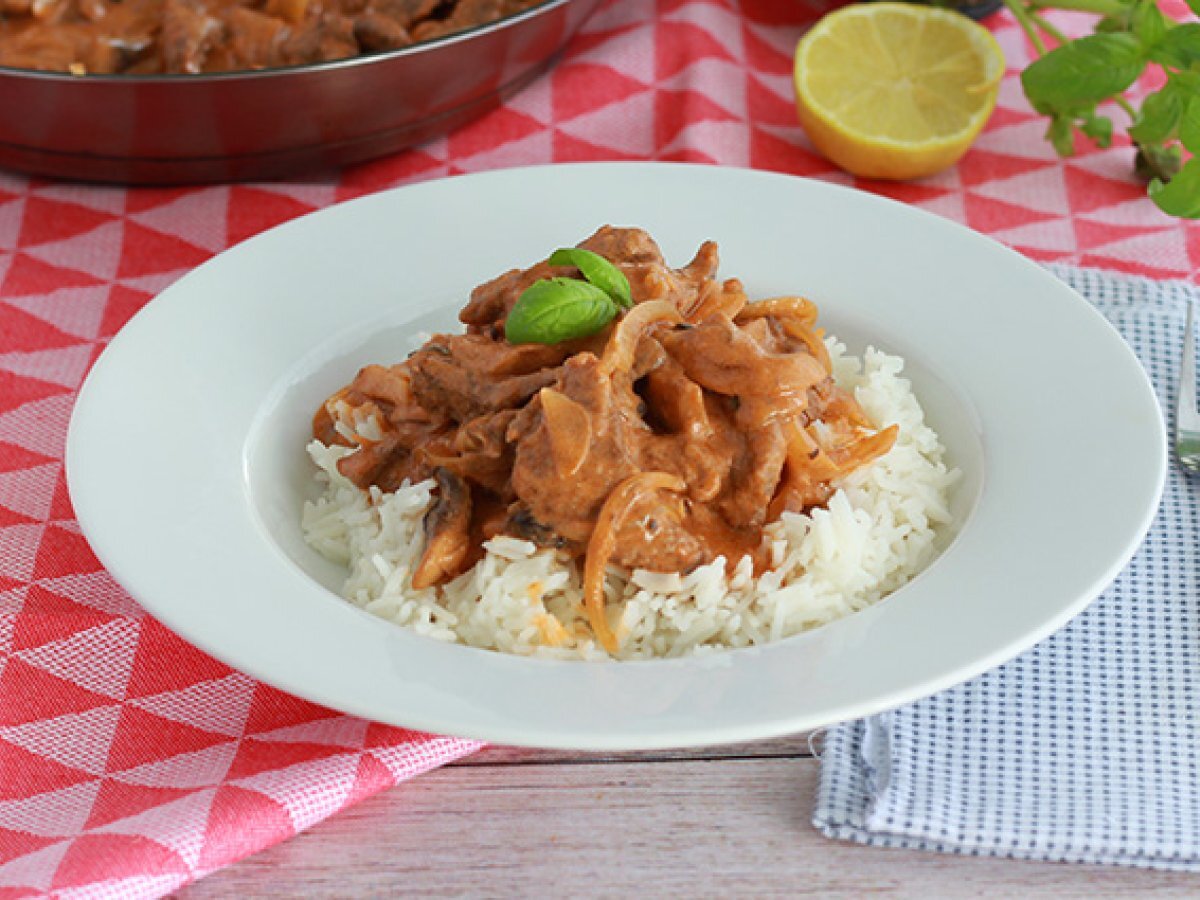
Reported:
(1087, 747)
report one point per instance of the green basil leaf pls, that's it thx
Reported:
(1149, 24)
(1194, 6)
(558, 309)
(1099, 129)
(596, 269)
(1181, 195)
(1189, 127)
(1083, 72)
(1180, 47)
(1159, 116)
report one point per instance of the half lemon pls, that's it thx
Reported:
(895, 90)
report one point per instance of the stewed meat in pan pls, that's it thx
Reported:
(149, 37)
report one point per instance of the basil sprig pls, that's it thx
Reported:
(596, 269)
(560, 309)
(556, 310)
(1068, 81)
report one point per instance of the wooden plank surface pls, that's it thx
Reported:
(729, 820)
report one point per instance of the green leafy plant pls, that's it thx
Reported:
(1069, 80)
(596, 269)
(561, 309)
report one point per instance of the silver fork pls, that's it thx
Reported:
(1187, 415)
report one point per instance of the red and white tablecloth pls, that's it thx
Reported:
(130, 762)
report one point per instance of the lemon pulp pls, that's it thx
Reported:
(894, 90)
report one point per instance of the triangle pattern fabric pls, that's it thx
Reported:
(201, 769)
(79, 740)
(27, 275)
(73, 659)
(98, 252)
(272, 709)
(145, 251)
(66, 808)
(48, 617)
(24, 333)
(220, 704)
(11, 216)
(29, 491)
(251, 210)
(64, 366)
(189, 665)
(28, 775)
(256, 756)
(16, 566)
(46, 220)
(178, 825)
(95, 590)
(100, 857)
(310, 790)
(32, 873)
(198, 217)
(40, 426)
(20, 843)
(31, 694)
(347, 732)
(102, 199)
(143, 737)
(117, 800)
(225, 839)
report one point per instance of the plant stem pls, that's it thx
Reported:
(1021, 14)
(1120, 100)
(1096, 7)
(1048, 27)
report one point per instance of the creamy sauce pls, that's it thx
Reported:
(667, 440)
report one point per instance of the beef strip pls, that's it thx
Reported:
(464, 376)
(655, 536)
(723, 358)
(481, 453)
(569, 503)
(616, 445)
(490, 302)
(188, 34)
(255, 39)
(375, 32)
(641, 261)
(753, 478)
(388, 463)
(406, 13)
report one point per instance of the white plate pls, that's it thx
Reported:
(186, 464)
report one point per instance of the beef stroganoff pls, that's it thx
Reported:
(617, 458)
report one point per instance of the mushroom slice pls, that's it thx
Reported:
(447, 532)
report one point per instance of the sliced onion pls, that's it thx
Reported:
(618, 355)
(604, 539)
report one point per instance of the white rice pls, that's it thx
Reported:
(879, 529)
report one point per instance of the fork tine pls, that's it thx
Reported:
(1187, 416)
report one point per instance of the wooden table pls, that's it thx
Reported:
(717, 821)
